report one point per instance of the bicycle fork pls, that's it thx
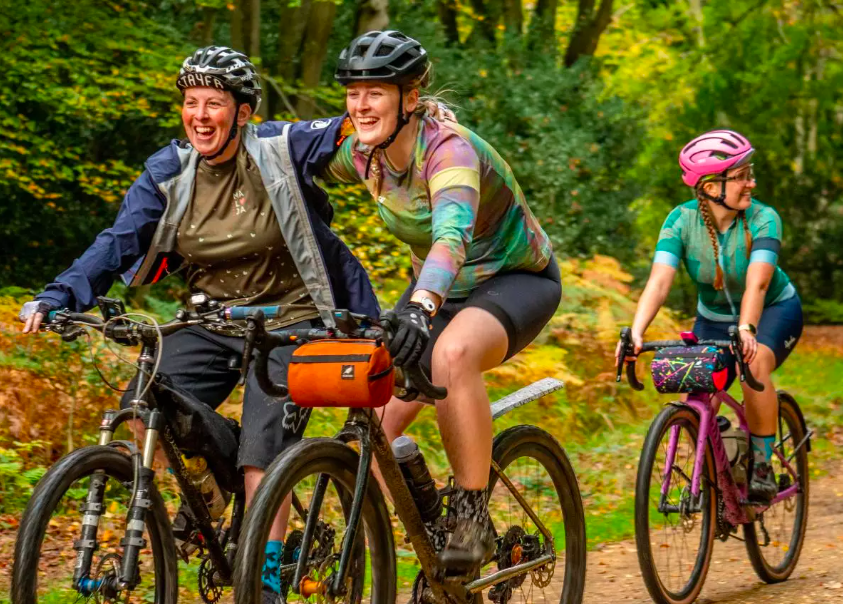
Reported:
(133, 540)
(92, 510)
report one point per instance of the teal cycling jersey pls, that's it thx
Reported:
(685, 238)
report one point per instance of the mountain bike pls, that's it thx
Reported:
(692, 482)
(533, 497)
(92, 496)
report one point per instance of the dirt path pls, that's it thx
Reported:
(613, 574)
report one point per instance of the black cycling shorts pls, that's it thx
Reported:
(779, 330)
(197, 362)
(522, 301)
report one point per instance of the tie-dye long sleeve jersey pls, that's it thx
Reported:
(684, 238)
(458, 206)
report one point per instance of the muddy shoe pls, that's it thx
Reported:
(762, 486)
(471, 545)
(269, 597)
(185, 533)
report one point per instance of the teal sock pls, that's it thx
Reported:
(762, 447)
(271, 574)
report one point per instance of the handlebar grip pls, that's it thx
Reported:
(423, 384)
(241, 313)
(262, 375)
(632, 378)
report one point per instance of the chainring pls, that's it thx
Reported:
(209, 591)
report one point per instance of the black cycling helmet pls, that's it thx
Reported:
(226, 69)
(382, 56)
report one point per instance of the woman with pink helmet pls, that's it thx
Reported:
(730, 243)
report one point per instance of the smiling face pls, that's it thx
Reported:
(373, 108)
(740, 183)
(207, 115)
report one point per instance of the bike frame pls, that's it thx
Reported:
(734, 496)
(364, 426)
(156, 425)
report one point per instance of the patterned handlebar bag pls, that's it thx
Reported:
(689, 369)
(341, 373)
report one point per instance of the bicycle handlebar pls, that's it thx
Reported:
(734, 343)
(257, 338)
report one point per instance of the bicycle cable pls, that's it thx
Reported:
(137, 454)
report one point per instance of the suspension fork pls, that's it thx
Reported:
(92, 509)
(133, 541)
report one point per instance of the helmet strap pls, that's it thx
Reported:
(232, 134)
(720, 199)
(403, 120)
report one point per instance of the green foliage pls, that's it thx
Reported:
(86, 94)
(18, 474)
(768, 70)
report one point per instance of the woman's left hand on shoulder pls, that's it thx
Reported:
(440, 112)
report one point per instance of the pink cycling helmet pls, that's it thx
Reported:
(713, 153)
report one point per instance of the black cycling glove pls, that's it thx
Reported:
(411, 337)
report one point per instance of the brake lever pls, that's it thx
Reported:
(254, 329)
(737, 350)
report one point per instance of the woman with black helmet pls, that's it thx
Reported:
(236, 209)
(485, 280)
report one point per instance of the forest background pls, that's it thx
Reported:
(589, 101)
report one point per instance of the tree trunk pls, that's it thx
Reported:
(237, 25)
(291, 32)
(448, 16)
(697, 18)
(252, 28)
(371, 15)
(487, 15)
(588, 29)
(209, 19)
(543, 27)
(513, 17)
(319, 25)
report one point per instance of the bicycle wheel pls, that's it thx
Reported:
(299, 468)
(774, 541)
(538, 468)
(674, 533)
(43, 569)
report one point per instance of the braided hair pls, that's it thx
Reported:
(705, 211)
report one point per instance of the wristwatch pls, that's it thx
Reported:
(428, 305)
(748, 327)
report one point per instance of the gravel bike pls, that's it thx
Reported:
(692, 482)
(96, 494)
(533, 495)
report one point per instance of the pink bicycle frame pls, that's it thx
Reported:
(706, 406)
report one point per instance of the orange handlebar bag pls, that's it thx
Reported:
(341, 373)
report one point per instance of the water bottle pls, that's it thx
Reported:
(736, 444)
(418, 479)
(203, 479)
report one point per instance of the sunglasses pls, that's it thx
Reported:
(744, 176)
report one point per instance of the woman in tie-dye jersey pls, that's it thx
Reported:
(485, 280)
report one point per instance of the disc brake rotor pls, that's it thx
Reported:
(106, 573)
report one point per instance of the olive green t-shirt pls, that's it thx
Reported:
(232, 244)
